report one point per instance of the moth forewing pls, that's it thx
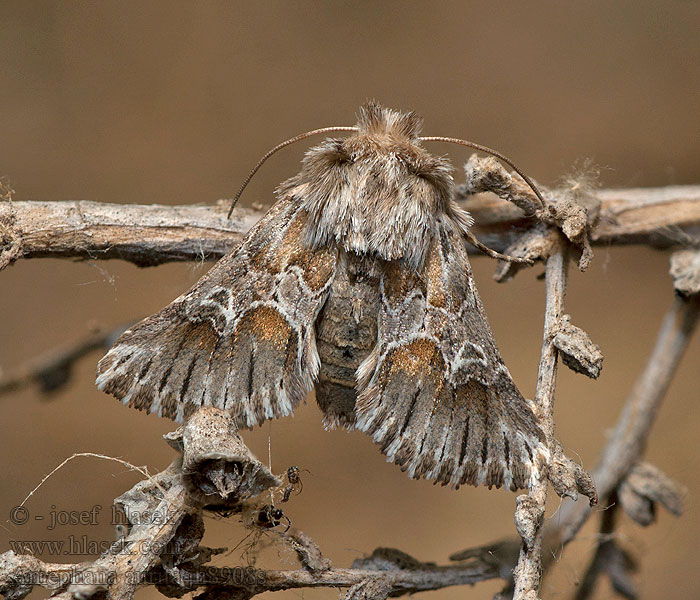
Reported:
(242, 339)
(440, 401)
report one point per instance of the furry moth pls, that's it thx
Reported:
(355, 283)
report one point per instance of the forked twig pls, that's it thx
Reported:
(160, 545)
(629, 437)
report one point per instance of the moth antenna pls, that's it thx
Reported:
(492, 253)
(288, 142)
(495, 153)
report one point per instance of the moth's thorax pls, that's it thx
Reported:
(377, 191)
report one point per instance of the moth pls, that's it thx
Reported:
(355, 283)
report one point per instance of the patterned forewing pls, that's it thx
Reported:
(436, 394)
(242, 339)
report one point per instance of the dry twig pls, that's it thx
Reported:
(620, 458)
(628, 439)
(530, 511)
(152, 235)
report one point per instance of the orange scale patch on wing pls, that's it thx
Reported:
(267, 324)
(419, 357)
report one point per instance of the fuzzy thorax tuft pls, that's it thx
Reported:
(377, 191)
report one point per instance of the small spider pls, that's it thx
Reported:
(295, 484)
(270, 516)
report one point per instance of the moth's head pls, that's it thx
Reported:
(375, 120)
(385, 148)
(378, 190)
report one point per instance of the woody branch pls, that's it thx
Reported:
(619, 468)
(620, 477)
(149, 235)
(385, 572)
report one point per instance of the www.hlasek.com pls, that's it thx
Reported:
(76, 546)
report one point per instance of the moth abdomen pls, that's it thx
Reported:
(346, 333)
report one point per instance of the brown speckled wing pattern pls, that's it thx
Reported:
(435, 392)
(242, 339)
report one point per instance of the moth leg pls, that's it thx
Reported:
(492, 253)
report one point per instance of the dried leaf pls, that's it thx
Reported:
(528, 517)
(216, 459)
(577, 350)
(685, 270)
(568, 477)
(535, 244)
(644, 487)
(572, 209)
(486, 174)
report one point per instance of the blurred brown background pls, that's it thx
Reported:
(173, 102)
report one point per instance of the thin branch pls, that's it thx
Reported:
(422, 577)
(531, 507)
(152, 235)
(53, 369)
(144, 235)
(609, 559)
(665, 217)
(629, 438)
(660, 217)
